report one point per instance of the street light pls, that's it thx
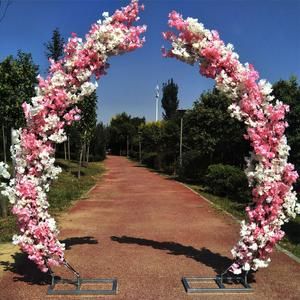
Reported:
(181, 113)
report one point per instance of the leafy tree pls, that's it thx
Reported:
(55, 47)
(160, 144)
(170, 144)
(123, 130)
(209, 129)
(87, 125)
(27, 72)
(134, 138)
(288, 91)
(7, 82)
(152, 139)
(98, 143)
(119, 130)
(17, 82)
(170, 100)
(152, 136)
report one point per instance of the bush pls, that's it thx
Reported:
(194, 166)
(168, 162)
(151, 160)
(228, 181)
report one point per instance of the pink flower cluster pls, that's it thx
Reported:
(50, 111)
(270, 175)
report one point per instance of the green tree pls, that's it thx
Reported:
(17, 82)
(288, 91)
(122, 132)
(169, 99)
(98, 143)
(170, 144)
(209, 130)
(55, 47)
(87, 125)
(27, 72)
(134, 138)
(152, 140)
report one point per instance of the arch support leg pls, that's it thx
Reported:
(223, 283)
(81, 286)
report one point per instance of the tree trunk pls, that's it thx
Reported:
(3, 205)
(88, 152)
(4, 144)
(84, 152)
(127, 146)
(65, 150)
(80, 162)
(69, 152)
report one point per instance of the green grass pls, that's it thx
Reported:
(63, 192)
(291, 241)
(8, 227)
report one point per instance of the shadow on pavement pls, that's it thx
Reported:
(215, 260)
(27, 271)
(69, 242)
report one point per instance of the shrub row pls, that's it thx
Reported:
(218, 179)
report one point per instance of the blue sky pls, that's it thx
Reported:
(264, 33)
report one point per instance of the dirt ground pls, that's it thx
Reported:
(147, 231)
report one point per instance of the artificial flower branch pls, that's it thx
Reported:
(269, 174)
(50, 111)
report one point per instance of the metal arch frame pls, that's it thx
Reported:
(78, 282)
(219, 280)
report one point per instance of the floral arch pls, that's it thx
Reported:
(269, 174)
(54, 107)
(51, 110)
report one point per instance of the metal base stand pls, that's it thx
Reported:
(219, 281)
(79, 282)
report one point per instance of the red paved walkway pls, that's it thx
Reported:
(148, 232)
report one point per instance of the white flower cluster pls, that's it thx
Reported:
(58, 79)
(4, 170)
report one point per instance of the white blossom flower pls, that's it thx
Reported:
(105, 14)
(58, 137)
(4, 170)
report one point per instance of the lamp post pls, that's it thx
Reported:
(156, 102)
(181, 113)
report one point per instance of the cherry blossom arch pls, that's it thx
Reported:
(269, 174)
(49, 112)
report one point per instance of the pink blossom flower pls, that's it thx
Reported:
(268, 172)
(51, 110)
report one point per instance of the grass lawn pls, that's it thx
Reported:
(63, 192)
(291, 241)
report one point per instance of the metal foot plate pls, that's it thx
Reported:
(81, 287)
(219, 282)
